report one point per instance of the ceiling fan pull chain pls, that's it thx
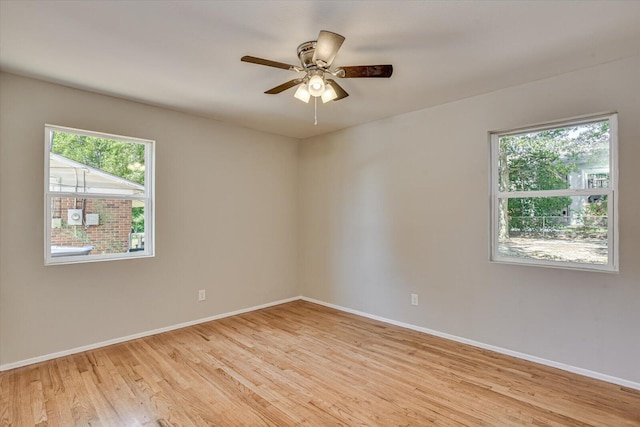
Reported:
(315, 108)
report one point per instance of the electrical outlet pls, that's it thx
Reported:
(202, 295)
(414, 299)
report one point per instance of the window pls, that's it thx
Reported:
(554, 194)
(98, 196)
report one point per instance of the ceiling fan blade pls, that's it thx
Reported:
(327, 47)
(284, 86)
(269, 63)
(339, 91)
(365, 71)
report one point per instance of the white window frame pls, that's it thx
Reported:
(611, 192)
(148, 198)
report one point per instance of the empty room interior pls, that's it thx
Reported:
(230, 213)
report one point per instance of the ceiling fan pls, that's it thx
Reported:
(316, 57)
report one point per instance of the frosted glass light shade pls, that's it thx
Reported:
(302, 93)
(329, 94)
(316, 85)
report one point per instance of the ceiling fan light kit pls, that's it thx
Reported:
(329, 93)
(316, 85)
(316, 57)
(302, 93)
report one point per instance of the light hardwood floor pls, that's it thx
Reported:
(304, 364)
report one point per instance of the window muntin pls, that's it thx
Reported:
(98, 196)
(554, 195)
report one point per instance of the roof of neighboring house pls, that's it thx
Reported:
(66, 175)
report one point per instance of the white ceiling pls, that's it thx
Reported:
(185, 55)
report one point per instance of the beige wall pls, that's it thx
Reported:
(225, 222)
(401, 206)
(360, 218)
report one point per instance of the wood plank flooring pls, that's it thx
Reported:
(304, 364)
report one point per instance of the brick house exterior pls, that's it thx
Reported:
(112, 232)
(110, 236)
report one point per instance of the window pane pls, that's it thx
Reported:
(572, 157)
(89, 164)
(96, 226)
(566, 229)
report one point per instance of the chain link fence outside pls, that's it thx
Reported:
(558, 226)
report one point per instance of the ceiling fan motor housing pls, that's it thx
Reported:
(305, 53)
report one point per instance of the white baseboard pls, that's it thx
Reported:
(540, 360)
(63, 353)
